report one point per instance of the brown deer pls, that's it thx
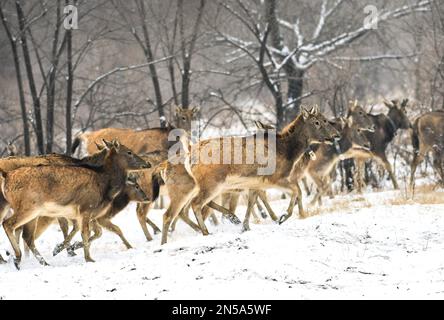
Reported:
(428, 135)
(13, 162)
(140, 141)
(132, 192)
(326, 157)
(210, 180)
(79, 193)
(386, 127)
(320, 159)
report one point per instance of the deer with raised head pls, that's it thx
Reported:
(80, 193)
(213, 179)
(386, 127)
(428, 136)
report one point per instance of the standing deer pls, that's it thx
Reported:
(210, 180)
(386, 127)
(428, 135)
(79, 193)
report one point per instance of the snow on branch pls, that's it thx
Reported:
(323, 16)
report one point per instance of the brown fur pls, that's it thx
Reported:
(428, 136)
(386, 127)
(210, 180)
(79, 193)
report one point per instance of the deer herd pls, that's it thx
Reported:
(125, 165)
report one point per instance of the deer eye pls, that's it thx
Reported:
(183, 118)
(361, 113)
(317, 123)
(137, 187)
(129, 152)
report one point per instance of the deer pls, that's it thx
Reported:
(140, 141)
(317, 156)
(428, 136)
(14, 162)
(80, 193)
(326, 157)
(199, 183)
(132, 191)
(386, 127)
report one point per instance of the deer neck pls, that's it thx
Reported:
(294, 141)
(115, 175)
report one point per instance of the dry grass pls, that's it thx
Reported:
(426, 194)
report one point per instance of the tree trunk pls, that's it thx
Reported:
(15, 56)
(69, 86)
(150, 58)
(31, 82)
(294, 75)
(295, 89)
(51, 84)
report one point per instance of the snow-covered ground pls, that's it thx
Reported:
(366, 249)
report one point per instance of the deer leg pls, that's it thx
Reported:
(261, 210)
(388, 167)
(17, 220)
(153, 225)
(263, 196)
(66, 243)
(227, 213)
(84, 222)
(359, 181)
(417, 159)
(179, 202)
(305, 183)
(252, 197)
(108, 225)
(29, 236)
(186, 218)
(142, 212)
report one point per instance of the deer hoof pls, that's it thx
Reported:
(283, 218)
(17, 263)
(58, 248)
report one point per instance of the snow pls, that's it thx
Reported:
(368, 249)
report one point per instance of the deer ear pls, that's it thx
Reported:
(178, 109)
(195, 110)
(313, 110)
(388, 103)
(108, 145)
(343, 121)
(353, 105)
(99, 146)
(116, 144)
(404, 103)
(305, 113)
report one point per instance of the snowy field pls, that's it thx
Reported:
(357, 247)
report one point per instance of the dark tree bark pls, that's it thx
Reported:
(69, 86)
(31, 82)
(15, 56)
(188, 50)
(52, 83)
(294, 75)
(146, 46)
